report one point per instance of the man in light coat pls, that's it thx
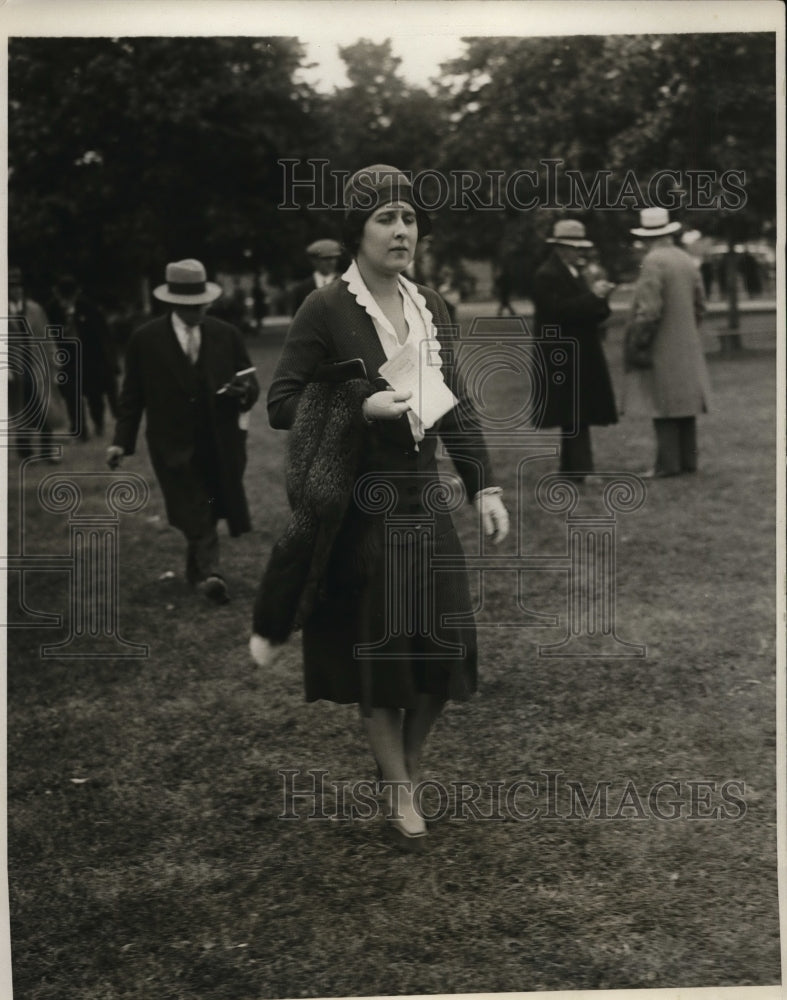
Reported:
(668, 381)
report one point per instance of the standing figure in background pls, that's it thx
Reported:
(503, 286)
(449, 290)
(577, 383)
(34, 400)
(324, 256)
(666, 374)
(92, 376)
(259, 303)
(752, 275)
(191, 376)
(708, 272)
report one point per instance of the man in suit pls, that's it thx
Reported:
(96, 377)
(324, 256)
(191, 376)
(577, 383)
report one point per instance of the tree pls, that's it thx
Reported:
(628, 106)
(379, 117)
(128, 152)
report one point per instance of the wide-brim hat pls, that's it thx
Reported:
(187, 285)
(569, 233)
(655, 222)
(324, 249)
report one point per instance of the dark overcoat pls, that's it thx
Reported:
(97, 355)
(387, 623)
(578, 392)
(186, 418)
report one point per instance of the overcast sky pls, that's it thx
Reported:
(420, 61)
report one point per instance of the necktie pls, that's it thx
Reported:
(193, 346)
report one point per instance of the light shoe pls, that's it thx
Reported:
(398, 834)
(404, 840)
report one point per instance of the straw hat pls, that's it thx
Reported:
(569, 233)
(655, 222)
(186, 285)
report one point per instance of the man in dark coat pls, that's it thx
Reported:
(576, 380)
(324, 256)
(91, 375)
(191, 376)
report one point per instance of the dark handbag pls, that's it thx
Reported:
(638, 346)
(345, 371)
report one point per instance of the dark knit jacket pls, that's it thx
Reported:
(330, 443)
(324, 450)
(330, 326)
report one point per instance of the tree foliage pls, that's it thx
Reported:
(627, 105)
(125, 153)
(128, 152)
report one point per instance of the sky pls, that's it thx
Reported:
(419, 62)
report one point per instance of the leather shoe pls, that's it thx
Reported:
(215, 589)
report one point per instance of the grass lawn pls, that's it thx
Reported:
(147, 858)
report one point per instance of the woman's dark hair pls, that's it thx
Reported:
(352, 227)
(366, 191)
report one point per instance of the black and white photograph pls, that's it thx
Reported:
(393, 478)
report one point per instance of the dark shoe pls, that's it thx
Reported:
(215, 589)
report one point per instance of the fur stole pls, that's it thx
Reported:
(324, 451)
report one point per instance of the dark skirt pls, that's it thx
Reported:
(407, 629)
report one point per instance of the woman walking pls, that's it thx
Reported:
(357, 567)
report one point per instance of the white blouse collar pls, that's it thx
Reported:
(357, 287)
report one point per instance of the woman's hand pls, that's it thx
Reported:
(494, 515)
(385, 405)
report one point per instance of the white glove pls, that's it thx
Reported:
(494, 516)
(262, 652)
(114, 456)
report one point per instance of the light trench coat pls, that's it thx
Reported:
(669, 293)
